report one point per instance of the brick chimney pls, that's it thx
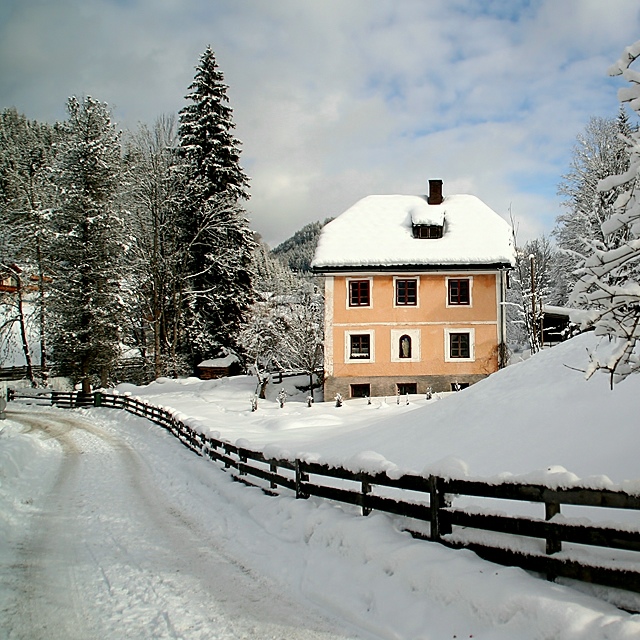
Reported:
(435, 192)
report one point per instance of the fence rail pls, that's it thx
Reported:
(17, 373)
(422, 499)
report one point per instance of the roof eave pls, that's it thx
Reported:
(493, 266)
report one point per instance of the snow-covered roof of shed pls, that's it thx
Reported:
(377, 232)
(225, 361)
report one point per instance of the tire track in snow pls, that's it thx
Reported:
(108, 556)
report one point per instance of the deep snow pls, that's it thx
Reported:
(534, 419)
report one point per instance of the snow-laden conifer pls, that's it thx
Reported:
(218, 237)
(87, 302)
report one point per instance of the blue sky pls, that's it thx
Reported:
(337, 99)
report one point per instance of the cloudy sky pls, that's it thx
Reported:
(337, 99)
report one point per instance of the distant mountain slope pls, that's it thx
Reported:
(297, 252)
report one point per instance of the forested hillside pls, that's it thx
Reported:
(297, 252)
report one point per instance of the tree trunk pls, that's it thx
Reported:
(23, 332)
(44, 364)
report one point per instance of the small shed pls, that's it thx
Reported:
(556, 324)
(219, 367)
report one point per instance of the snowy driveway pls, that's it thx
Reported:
(103, 553)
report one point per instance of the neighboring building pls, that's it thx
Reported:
(557, 325)
(9, 279)
(219, 367)
(414, 292)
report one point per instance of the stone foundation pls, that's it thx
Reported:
(387, 386)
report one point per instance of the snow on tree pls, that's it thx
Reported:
(284, 328)
(609, 282)
(156, 275)
(298, 250)
(219, 239)
(301, 326)
(26, 199)
(532, 286)
(86, 301)
(600, 151)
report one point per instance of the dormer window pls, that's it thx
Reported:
(428, 231)
(428, 218)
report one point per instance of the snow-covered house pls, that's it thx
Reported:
(414, 287)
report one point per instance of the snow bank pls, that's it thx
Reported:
(535, 421)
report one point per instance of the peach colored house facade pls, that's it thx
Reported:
(414, 292)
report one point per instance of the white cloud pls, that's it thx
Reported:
(333, 99)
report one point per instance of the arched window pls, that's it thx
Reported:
(405, 347)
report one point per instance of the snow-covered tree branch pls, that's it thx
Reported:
(608, 286)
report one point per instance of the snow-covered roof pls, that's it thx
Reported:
(227, 361)
(377, 232)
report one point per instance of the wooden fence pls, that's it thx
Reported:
(534, 544)
(17, 373)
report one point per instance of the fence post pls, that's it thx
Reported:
(437, 503)
(273, 467)
(366, 488)
(301, 477)
(97, 399)
(554, 544)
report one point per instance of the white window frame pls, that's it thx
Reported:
(361, 306)
(446, 292)
(447, 345)
(415, 335)
(347, 345)
(395, 292)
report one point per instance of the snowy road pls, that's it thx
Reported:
(105, 554)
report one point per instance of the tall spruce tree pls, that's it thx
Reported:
(217, 234)
(86, 300)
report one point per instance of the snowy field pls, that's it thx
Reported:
(109, 528)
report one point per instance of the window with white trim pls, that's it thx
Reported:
(459, 345)
(459, 292)
(406, 290)
(359, 293)
(359, 346)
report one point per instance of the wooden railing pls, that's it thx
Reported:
(541, 542)
(17, 373)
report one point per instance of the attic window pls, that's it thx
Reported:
(427, 231)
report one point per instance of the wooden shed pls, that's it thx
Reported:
(219, 367)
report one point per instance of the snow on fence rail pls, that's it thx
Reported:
(531, 543)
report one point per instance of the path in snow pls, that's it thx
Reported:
(108, 556)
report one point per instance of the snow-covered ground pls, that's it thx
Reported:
(112, 529)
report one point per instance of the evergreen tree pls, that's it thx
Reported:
(601, 151)
(86, 301)
(609, 286)
(218, 237)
